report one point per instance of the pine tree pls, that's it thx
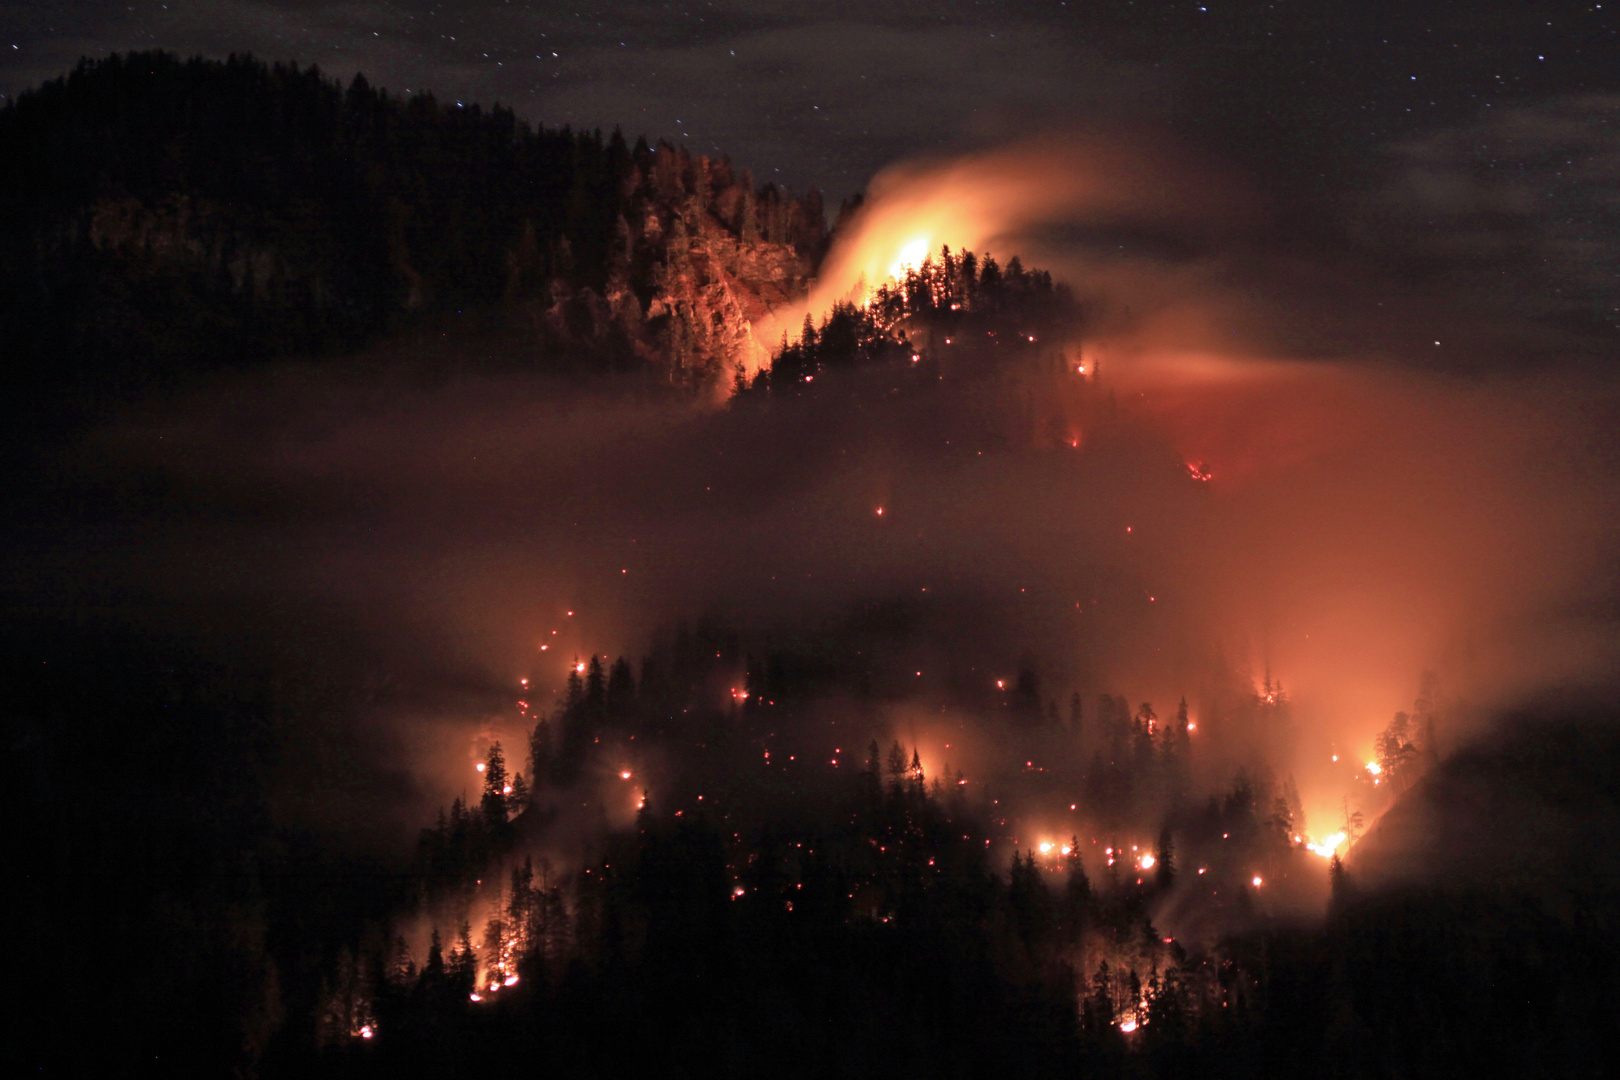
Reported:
(434, 971)
(463, 966)
(496, 788)
(541, 751)
(621, 687)
(595, 688)
(1164, 860)
(1076, 895)
(897, 771)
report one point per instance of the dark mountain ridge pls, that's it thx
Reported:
(163, 217)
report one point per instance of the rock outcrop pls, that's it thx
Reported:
(698, 259)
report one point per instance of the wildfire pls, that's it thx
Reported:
(1147, 862)
(625, 775)
(1329, 845)
(366, 1032)
(1196, 470)
(1046, 847)
(1256, 882)
(911, 256)
(1374, 768)
(1127, 1026)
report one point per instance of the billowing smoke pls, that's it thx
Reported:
(1250, 464)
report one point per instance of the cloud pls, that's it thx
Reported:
(1515, 210)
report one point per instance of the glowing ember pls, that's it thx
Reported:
(1196, 470)
(580, 668)
(506, 790)
(479, 766)
(1065, 850)
(1127, 1026)
(880, 511)
(624, 775)
(366, 1032)
(1147, 862)
(475, 997)
(1256, 881)
(1046, 847)
(1373, 767)
(511, 980)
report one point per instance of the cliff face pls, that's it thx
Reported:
(698, 259)
(167, 215)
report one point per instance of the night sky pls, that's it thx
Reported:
(1468, 148)
(828, 93)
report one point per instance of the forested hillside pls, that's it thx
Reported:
(161, 216)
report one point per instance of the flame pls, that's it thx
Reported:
(911, 256)
(987, 202)
(1373, 767)
(1329, 845)
(1127, 1026)
(1147, 862)
(1257, 882)
(1046, 847)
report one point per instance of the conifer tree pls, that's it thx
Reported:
(1164, 859)
(496, 788)
(621, 687)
